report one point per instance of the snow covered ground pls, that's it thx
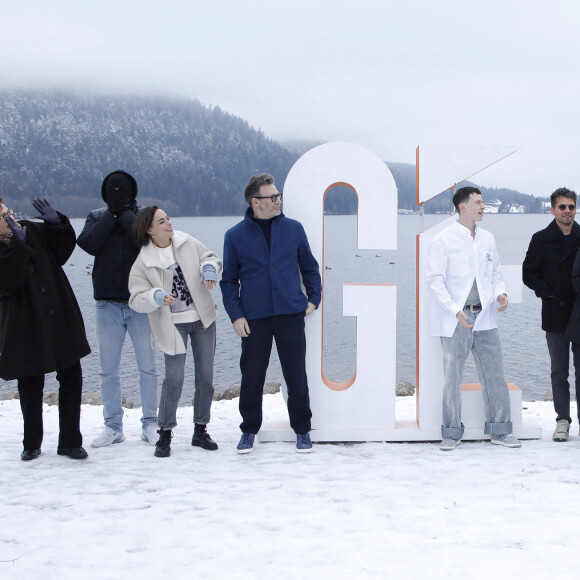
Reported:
(366, 510)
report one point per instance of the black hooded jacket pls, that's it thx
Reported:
(108, 238)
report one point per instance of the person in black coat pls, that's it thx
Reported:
(41, 325)
(547, 270)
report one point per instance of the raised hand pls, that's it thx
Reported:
(46, 211)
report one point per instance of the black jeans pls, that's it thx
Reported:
(288, 331)
(559, 348)
(30, 390)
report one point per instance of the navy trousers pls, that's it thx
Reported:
(69, 408)
(288, 331)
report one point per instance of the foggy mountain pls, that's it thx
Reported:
(191, 158)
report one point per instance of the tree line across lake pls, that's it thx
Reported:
(193, 159)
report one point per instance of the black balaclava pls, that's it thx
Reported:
(119, 180)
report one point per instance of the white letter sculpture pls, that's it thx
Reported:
(363, 407)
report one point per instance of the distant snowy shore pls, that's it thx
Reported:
(367, 510)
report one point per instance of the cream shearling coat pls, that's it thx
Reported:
(147, 276)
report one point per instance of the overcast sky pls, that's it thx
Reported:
(385, 74)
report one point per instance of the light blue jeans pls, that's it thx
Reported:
(113, 320)
(485, 347)
(203, 347)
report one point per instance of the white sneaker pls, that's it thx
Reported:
(562, 430)
(107, 437)
(149, 433)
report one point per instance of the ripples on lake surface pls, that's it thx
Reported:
(525, 353)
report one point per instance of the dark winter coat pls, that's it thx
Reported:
(109, 239)
(573, 331)
(547, 270)
(260, 281)
(41, 326)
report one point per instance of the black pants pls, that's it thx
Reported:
(288, 331)
(559, 348)
(69, 407)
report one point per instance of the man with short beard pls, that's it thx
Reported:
(547, 270)
(266, 256)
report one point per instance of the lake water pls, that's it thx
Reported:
(525, 353)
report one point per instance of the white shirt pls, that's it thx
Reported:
(456, 259)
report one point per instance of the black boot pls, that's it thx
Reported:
(73, 452)
(163, 446)
(202, 439)
(29, 454)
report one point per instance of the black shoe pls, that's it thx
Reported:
(73, 452)
(163, 446)
(28, 455)
(202, 439)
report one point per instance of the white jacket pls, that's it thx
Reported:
(147, 276)
(455, 260)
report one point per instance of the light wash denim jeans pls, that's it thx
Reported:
(113, 320)
(203, 348)
(486, 350)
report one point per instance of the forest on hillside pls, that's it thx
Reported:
(196, 158)
(192, 158)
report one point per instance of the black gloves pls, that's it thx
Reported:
(119, 195)
(46, 211)
(18, 232)
(118, 202)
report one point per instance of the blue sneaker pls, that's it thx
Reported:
(303, 443)
(246, 444)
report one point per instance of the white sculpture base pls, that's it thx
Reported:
(408, 430)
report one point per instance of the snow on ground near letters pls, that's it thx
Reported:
(365, 510)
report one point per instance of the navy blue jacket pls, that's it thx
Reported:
(258, 281)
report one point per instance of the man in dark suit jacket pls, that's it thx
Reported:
(547, 270)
